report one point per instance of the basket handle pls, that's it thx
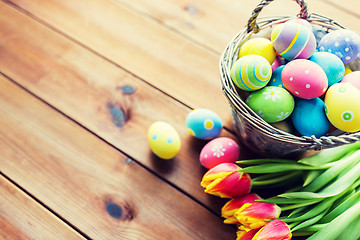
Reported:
(253, 26)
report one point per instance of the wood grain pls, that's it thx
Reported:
(214, 23)
(85, 181)
(23, 218)
(110, 102)
(155, 54)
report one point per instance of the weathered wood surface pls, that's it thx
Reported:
(100, 191)
(95, 74)
(23, 218)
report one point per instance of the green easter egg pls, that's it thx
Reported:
(273, 104)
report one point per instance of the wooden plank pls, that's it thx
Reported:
(143, 47)
(213, 23)
(87, 182)
(351, 6)
(99, 95)
(23, 218)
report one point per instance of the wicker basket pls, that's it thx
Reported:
(252, 130)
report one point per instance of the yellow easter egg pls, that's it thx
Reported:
(342, 107)
(164, 140)
(347, 70)
(258, 46)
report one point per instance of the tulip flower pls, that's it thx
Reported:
(226, 181)
(232, 206)
(256, 215)
(245, 235)
(274, 230)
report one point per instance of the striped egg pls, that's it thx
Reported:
(293, 40)
(251, 72)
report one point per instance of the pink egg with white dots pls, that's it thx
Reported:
(219, 150)
(304, 78)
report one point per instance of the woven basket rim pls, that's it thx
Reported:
(229, 89)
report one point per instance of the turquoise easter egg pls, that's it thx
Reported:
(273, 104)
(203, 123)
(251, 72)
(276, 77)
(332, 65)
(309, 117)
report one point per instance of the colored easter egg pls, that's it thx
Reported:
(309, 117)
(276, 77)
(273, 104)
(203, 123)
(258, 46)
(302, 21)
(319, 33)
(293, 40)
(304, 79)
(342, 107)
(164, 140)
(352, 78)
(347, 70)
(251, 72)
(219, 150)
(332, 65)
(342, 42)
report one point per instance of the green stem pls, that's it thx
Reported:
(275, 180)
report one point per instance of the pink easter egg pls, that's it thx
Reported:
(219, 150)
(304, 79)
(276, 64)
(353, 78)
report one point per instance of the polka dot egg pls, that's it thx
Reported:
(342, 42)
(203, 123)
(251, 72)
(342, 107)
(276, 77)
(219, 150)
(293, 40)
(164, 140)
(304, 79)
(273, 104)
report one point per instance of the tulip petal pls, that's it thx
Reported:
(245, 234)
(274, 230)
(256, 215)
(229, 209)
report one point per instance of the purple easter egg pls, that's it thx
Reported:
(293, 40)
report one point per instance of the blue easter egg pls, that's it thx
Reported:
(343, 43)
(331, 64)
(309, 117)
(203, 123)
(276, 77)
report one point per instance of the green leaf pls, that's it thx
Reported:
(330, 155)
(311, 176)
(275, 180)
(346, 204)
(352, 231)
(310, 221)
(340, 225)
(264, 161)
(276, 167)
(332, 172)
(313, 211)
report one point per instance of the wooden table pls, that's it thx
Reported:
(82, 80)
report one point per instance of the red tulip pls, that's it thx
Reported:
(257, 214)
(274, 230)
(226, 181)
(245, 235)
(230, 208)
